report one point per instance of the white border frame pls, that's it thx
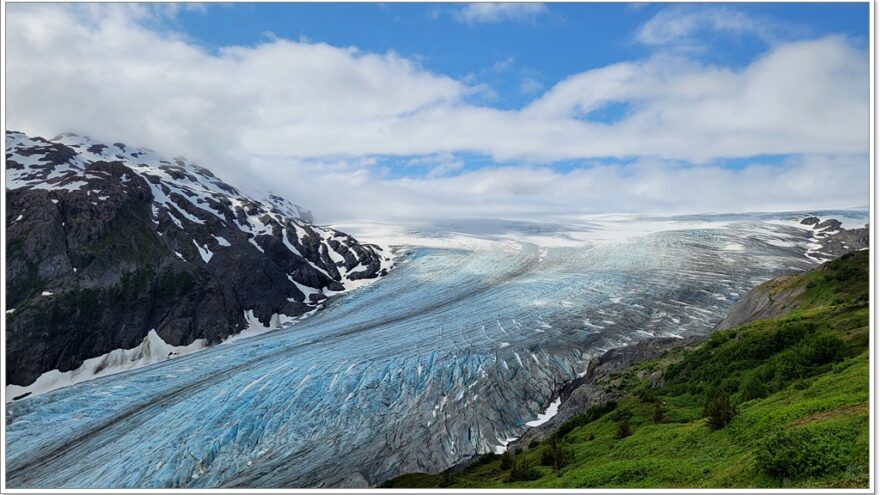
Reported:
(872, 334)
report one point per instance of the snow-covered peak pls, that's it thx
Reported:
(60, 163)
(184, 195)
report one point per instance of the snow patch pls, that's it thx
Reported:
(151, 350)
(551, 411)
(205, 253)
(255, 326)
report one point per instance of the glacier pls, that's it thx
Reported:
(452, 354)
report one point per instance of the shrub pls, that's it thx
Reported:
(659, 413)
(801, 384)
(523, 471)
(823, 349)
(446, 478)
(592, 414)
(506, 461)
(802, 452)
(556, 454)
(485, 459)
(719, 411)
(645, 394)
(534, 443)
(624, 429)
(622, 415)
(754, 386)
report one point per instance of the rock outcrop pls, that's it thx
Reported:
(771, 299)
(832, 240)
(597, 385)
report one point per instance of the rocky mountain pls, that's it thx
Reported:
(831, 240)
(116, 254)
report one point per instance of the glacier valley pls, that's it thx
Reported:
(456, 352)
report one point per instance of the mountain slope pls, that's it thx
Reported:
(778, 402)
(113, 248)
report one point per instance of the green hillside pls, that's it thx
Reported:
(775, 403)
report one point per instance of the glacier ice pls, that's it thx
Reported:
(439, 361)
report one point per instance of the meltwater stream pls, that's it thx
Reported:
(450, 355)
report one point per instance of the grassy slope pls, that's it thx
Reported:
(799, 384)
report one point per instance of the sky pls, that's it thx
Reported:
(420, 112)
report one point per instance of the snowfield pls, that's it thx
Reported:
(454, 353)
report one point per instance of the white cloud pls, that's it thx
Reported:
(438, 164)
(529, 86)
(313, 119)
(682, 23)
(489, 12)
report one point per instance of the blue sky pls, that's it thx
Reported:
(430, 110)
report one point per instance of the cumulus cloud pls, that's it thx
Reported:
(487, 12)
(310, 119)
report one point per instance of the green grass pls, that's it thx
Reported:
(799, 384)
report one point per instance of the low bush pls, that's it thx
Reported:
(719, 411)
(659, 415)
(592, 414)
(803, 452)
(556, 454)
(624, 429)
(485, 459)
(523, 471)
(506, 461)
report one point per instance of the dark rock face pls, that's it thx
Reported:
(828, 225)
(105, 243)
(833, 240)
(590, 389)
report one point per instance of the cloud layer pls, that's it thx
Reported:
(535, 192)
(314, 120)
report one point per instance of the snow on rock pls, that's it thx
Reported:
(205, 253)
(545, 416)
(255, 326)
(152, 350)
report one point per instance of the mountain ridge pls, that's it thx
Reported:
(107, 243)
